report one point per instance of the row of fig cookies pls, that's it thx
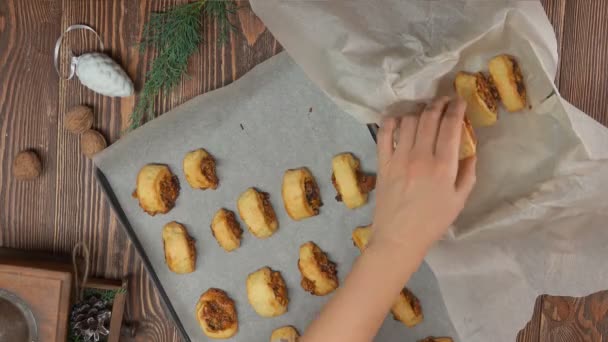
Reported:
(505, 82)
(157, 187)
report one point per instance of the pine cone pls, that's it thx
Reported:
(90, 319)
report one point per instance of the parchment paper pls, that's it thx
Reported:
(270, 120)
(535, 222)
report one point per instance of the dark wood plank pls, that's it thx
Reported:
(556, 12)
(28, 120)
(531, 332)
(575, 319)
(584, 79)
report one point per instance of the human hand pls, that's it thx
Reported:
(421, 186)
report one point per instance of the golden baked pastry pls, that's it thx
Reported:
(284, 334)
(351, 184)
(180, 251)
(437, 339)
(257, 213)
(407, 307)
(267, 292)
(361, 236)
(319, 274)
(216, 314)
(300, 194)
(157, 189)
(199, 168)
(226, 230)
(468, 142)
(477, 91)
(509, 82)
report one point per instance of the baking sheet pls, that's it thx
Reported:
(272, 119)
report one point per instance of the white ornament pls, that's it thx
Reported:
(97, 71)
(101, 74)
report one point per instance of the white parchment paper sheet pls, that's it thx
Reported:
(536, 220)
(286, 122)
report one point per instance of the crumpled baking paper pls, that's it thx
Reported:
(535, 222)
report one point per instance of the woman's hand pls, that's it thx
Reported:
(421, 187)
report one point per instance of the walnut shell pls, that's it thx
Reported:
(92, 142)
(27, 165)
(78, 119)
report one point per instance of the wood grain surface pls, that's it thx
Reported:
(66, 205)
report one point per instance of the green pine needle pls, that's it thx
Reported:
(176, 34)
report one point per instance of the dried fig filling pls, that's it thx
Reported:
(269, 215)
(169, 190)
(366, 183)
(278, 287)
(208, 170)
(311, 190)
(326, 267)
(413, 301)
(484, 91)
(519, 79)
(216, 317)
(308, 285)
(233, 225)
(333, 181)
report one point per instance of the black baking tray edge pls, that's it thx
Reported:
(124, 222)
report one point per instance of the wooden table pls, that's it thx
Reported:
(65, 205)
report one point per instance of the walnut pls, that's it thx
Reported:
(92, 142)
(78, 119)
(26, 165)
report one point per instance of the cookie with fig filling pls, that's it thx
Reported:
(480, 96)
(267, 292)
(199, 168)
(351, 184)
(300, 193)
(509, 82)
(216, 314)
(319, 274)
(284, 334)
(180, 251)
(226, 230)
(157, 189)
(257, 213)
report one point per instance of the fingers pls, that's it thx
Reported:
(450, 131)
(428, 126)
(466, 176)
(407, 134)
(385, 141)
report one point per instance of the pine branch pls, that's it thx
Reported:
(176, 34)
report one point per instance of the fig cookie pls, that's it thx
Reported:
(216, 313)
(267, 292)
(300, 194)
(226, 230)
(199, 168)
(284, 334)
(257, 213)
(319, 274)
(480, 96)
(180, 251)
(351, 184)
(157, 189)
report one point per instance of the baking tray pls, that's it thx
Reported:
(275, 103)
